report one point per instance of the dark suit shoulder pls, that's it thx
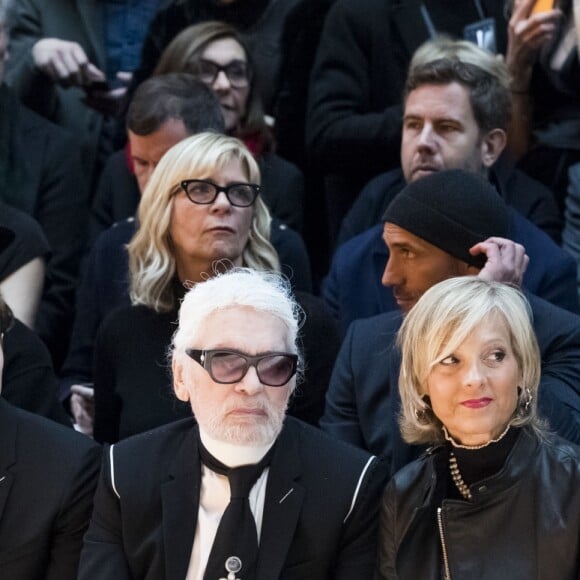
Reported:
(45, 439)
(384, 323)
(160, 443)
(30, 121)
(324, 453)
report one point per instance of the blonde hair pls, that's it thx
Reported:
(440, 321)
(151, 259)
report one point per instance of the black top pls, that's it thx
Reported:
(28, 380)
(29, 240)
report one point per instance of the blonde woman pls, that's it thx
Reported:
(496, 496)
(201, 213)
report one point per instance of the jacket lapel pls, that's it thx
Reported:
(180, 501)
(282, 506)
(8, 435)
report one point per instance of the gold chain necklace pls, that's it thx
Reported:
(457, 478)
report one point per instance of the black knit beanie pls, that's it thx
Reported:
(453, 210)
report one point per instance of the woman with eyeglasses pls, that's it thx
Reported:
(200, 213)
(217, 55)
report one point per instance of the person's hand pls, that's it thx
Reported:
(65, 62)
(527, 33)
(82, 405)
(506, 260)
(108, 101)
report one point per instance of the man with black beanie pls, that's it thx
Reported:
(435, 231)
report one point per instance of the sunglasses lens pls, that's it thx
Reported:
(275, 370)
(227, 367)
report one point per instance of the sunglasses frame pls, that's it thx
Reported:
(204, 358)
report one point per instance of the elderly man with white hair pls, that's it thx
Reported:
(241, 491)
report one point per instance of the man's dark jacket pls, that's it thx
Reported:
(48, 476)
(319, 519)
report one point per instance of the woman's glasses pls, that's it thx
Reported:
(205, 192)
(224, 366)
(237, 72)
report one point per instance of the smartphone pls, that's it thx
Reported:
(542, 6)
(100, 86)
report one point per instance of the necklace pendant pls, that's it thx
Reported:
(233, 565)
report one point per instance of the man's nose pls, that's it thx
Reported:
(391, 275)
(427, 137)
(250, 384)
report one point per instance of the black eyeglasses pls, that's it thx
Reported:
(224, 366)
(205, 192)
(237, 72)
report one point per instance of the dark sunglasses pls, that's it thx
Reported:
(224, 366)
(205, 192)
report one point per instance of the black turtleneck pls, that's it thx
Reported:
(478, 464)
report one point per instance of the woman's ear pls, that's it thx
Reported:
(181, 390)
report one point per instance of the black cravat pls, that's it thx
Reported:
(236, 535)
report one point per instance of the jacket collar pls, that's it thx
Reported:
(513, 470)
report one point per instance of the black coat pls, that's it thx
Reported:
(52, 189)
(317, 523)
(362, 402)
(523, 522)
(48, 476)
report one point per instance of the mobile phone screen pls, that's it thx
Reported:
(542, 6)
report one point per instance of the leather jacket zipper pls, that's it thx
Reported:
(447, 575)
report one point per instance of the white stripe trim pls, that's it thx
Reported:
(111, 461)
(358, 485)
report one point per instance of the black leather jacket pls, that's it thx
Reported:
(523, 523)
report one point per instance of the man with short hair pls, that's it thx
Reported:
(435, 231)
(457, 109)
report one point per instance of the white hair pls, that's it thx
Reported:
(240, 287)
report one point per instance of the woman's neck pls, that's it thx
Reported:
(194, 271)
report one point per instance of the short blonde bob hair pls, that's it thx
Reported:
(440, 321)
(266, 292)
(151, 258)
